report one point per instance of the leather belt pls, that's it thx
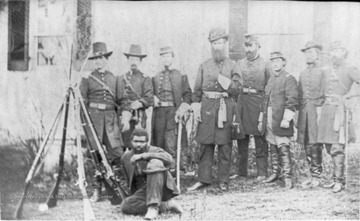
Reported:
(215, 95)
(166, 104)
(334, 100)
(251, 91)
(102, 106)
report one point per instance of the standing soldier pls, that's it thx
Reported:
(218, 83)
(311, 97)
(138, 89)
(103, 94)
(332, 119)
(281, 100)
(172, 99)
(256, 74)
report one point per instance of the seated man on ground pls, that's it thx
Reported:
(151, 185)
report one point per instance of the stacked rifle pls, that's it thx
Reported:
(113, 182)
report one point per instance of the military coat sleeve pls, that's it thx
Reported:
(291, 93)
(159, 154)
(148, 93)
(186, 90)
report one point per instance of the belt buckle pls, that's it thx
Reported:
(252, 91)
(246, 90)
(102, 106)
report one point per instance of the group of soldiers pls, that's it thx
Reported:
(230, 101)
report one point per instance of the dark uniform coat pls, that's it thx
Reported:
(311, 95)
(206, 80)
(256, 74)
(151, 152)
(338, 82)
(181, 92)
(144, 92)
(93, 92)
(281, 92)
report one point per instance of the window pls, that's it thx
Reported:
(18, 49)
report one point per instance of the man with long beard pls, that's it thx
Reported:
(138, 89)
(332, 122)
(256, 73)
(311, 96)
(218, 83)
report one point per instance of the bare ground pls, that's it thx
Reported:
(246, 199)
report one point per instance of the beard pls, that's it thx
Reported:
(218, 54)
(133, 67)
(250, 55)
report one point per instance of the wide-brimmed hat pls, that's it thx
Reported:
(99, 50)
(217, 33)
(155, 166)
(165, 50)
(277, 54)
(312, 44)
(337, 44)
(251, 38)
(135, 51)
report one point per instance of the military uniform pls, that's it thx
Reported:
(331, 131)
(311, 96)
(172, 89)
(280, 103)
(150, 181)
(101, 105)
(144, 93)
(256, 74)
(218, 108)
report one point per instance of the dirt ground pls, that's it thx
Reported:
(246, 198)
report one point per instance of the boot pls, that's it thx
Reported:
(274, 151)
(170, 205)
(152, 213)
(285, 156)
(339, 166)
(316, 160)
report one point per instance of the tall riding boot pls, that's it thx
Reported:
(274, 152)
(285, 156)
(339, 166)
(316, 160)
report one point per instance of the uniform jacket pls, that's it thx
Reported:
(206, 80)
(180, 86)
(311, 95)
(281, 92)
(143, 87)
(92, 91)
(256, 74)
(151, 152)
(181, 92)
(338, 82)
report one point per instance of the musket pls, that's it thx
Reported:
(52, 198)
(88, 124)
(32, 170)
(88, 211)
(178, 154)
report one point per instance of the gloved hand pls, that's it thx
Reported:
(260, 126)
(136, 105)
(125, 121)
(224, 81)
(285, 124)
(180, 112)
(156, 101)
(196, 107)
(318, 113)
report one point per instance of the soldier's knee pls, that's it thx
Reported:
(154, 166)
